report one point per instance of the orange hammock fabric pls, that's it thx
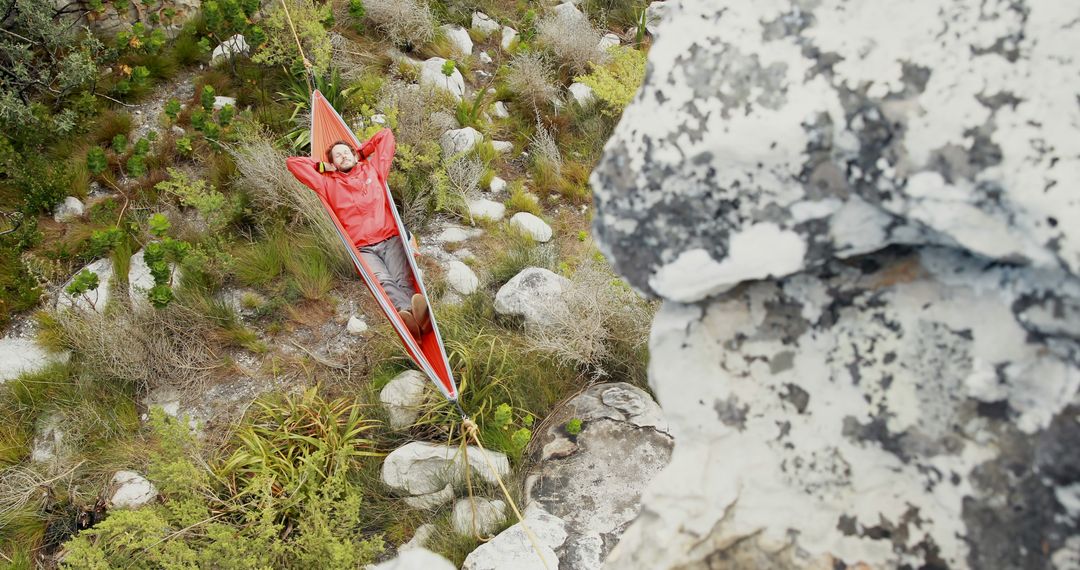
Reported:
(427, 351)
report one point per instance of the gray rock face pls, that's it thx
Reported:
(868, 353)
(832, 130)
(19, 355)
(593, 481)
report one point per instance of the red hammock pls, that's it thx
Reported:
(427, 351)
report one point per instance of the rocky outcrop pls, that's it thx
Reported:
(593, 479)
(859, 219)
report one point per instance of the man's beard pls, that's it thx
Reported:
(347, 169)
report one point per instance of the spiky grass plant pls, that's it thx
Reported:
(292, 444)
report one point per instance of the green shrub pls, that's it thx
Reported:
(521, 200)
(573, 427)
(95, 161)
(615, 83)
(217, 210)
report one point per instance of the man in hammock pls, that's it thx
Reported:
(351, 181)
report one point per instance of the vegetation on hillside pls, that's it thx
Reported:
(246, 277)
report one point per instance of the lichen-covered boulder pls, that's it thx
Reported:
(593, 480)
(457, 141)
(857, 214)
(420, 468)
(513, 548)
(835, 128)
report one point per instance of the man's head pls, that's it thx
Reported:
(342, 155)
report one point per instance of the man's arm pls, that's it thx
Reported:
(379, 151)
(308, 171)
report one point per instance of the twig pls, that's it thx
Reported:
(320, 359)
(114, 100)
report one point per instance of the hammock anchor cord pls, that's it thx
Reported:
(308, 74)
(474, 432)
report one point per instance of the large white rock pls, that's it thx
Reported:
(416, 559)
(459, 39)
(500, 110)
(404, 396)
(229, 48)
(19, 355)
(434, 500)
(484, 24)
(477, 515)
(461, 277)
(68, 210)
(508, 36)
(497, 185)
(582, 94)
(512, 548)
(131, 490)
(487, 209)
(419, 468)
(502, 147)
(485, 58)
(532, 226)
(531, 294)
(457, 141)
(432, 76)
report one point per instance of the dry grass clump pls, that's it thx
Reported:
(572, 39)
(407, 23)
(464, 175)
(272, 187)
(422, 114)
(531, 79)
(602, 326)
(148, 347)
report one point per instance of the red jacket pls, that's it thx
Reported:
(358, 196)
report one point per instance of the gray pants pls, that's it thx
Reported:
(388, 260)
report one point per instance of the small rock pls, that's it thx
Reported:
(221, 101)
(403, 397)
(513, 548)
(477, 515)
(416, 559)
(497, 184)
(378, 119)
(501, 112)
(582, 94)
(568, 10)
(538, 229)
(430, 501)
(608, 41)
(484, 24)
(508, 35)
(531, 294)
(420, 537)
(177, 130)
(431, 75)
(485, 58)
(459, 39)
(68, 210)
(356, 326)
(456, 141)
(502, 147)
(558, 449)
(452, 235)
(464, 254)
(235, 45)
(487, 209)
(48, 439)
(132, 490)
(461, 277)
